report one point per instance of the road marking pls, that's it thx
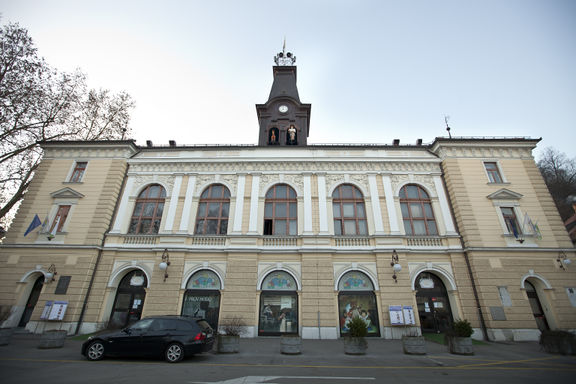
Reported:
(262, 379)
(553, 367)
(506, 362)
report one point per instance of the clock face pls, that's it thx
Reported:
(283, 108)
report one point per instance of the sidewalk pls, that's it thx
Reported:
(266, 351)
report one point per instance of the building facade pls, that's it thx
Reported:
(290, 237)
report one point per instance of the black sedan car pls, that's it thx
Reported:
(172, 337)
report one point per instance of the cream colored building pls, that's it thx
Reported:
(293, 238)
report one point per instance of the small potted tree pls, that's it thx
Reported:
(458, 338)
(355, 340)
(229, 331)
(5, 332)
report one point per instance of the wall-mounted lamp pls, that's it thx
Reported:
(563, 260)
(49, 276)
(165, 263)
(395, 264)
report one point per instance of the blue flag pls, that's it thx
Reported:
(33, 225)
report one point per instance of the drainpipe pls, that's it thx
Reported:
(468, 265)
(100, 251)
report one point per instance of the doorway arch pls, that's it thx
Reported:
(433, 303)
(536, 306)
(32, 301)
(129, 301)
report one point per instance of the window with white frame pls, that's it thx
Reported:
(493, 172)
(511, 220)
(78, 172)
(60, 218)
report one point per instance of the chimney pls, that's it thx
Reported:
(149, 143)
(396, 142)
(419, 142)
(172, 143)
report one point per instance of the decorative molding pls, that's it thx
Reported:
(505, 194)
(311, 164)
(66, 193)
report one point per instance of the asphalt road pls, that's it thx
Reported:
(322, 362)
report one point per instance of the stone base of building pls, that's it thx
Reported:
(495, 334)
(323, 333)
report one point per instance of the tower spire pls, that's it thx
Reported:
(284, 58)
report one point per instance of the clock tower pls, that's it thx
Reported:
(283, 119)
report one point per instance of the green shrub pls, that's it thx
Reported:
(462, 328)
(357, 327)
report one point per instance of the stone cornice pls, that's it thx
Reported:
(89, 149)
(485, 148)
(426, 167)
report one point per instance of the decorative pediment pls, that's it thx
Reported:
(504, 194)
(66, 193)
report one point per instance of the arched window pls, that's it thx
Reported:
(356, 298)
(349, 211)
(280, 211)
(273, 136)
(278, 305)
(148, 211)
(202, 297)
(417, 211)
(213, 209)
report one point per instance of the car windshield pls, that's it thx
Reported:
(141, 325)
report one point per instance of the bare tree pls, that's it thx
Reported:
(559, 173)
(39, 103)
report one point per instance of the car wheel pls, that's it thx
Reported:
(174, 353)
(95, 351)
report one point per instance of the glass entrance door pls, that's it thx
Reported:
(433, 304)
(129, 300)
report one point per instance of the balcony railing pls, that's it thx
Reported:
(352, 241)
(424, 241)
(140, 239)
(212, 241)
(276, 241)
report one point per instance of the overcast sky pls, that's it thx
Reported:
(373, 71)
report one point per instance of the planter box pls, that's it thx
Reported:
(228, 344)
(355, 345)
(460, 345)
(52, 339)
(558, 342)
(291, 345)
(414, 345)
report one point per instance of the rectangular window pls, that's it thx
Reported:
(60, 218)
(493, 172)
(78, 172)
(511, 221)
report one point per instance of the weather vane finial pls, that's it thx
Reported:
(284, 58)
(447, 126)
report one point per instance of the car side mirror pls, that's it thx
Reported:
(127, 331)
